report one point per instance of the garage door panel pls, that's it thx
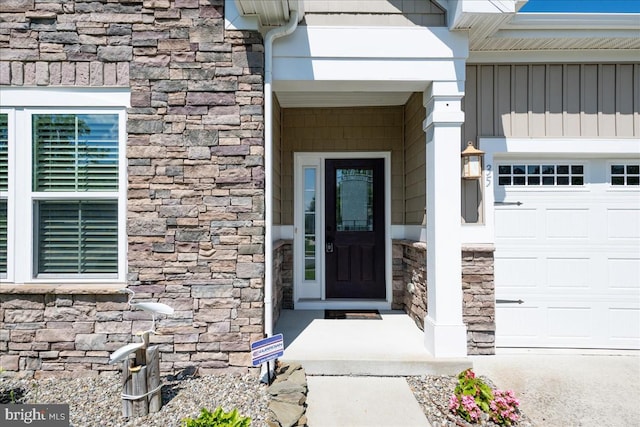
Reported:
(567, 223)
(517, 272)
(570, 323)
(623, 273)
(516, 223)
(623, 224)
(624, 325)
(517, 324)
(568, 272)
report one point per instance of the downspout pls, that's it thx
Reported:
(271, 35)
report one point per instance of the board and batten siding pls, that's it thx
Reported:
(414, 161)
(552, 100)
(547, 100)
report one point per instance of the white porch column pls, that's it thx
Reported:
(445, 333)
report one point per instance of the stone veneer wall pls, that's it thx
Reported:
(479, 300)
(414, 277)
(478, 309)
(282, 277)
(195, 181)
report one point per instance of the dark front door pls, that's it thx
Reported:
(354, 228)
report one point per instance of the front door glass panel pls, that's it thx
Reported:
(354, 199)
(310, 224)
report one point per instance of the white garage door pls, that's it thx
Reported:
(568, 247)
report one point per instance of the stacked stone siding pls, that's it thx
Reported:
(414, 275)
(478, 308)
(282, 277)
(195, 177)
(64, 335)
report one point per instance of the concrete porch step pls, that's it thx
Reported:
(391, 346)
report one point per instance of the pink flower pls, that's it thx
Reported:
(453, 403)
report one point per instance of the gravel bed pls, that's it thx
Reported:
(433, 392)
(95, 401)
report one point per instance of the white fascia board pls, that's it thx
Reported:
(554, 56)
(459, 8)
(233, 20)
(560, 146)
(566, 33)
(372, 42)
(592, 21)
(65, 97)
(370, 54)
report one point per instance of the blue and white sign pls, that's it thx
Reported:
(267, 349)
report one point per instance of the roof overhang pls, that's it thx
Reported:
(272, 13)
(496, 25)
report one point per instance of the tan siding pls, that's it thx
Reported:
(548, 100)
(277, 162)
(555, 119)
(343, 129)
(414, 160)
(571, 101)
(552, 100)
(606, 96)
(589, 96)
(520, 100)
(538, 108)
(378, 13)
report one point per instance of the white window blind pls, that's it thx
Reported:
(75, 152)
(78, 237)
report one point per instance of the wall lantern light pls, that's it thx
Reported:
(471, 162)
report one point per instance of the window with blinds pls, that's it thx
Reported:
(75, 156)
(4, 181)
(75, 152)
(77, 237)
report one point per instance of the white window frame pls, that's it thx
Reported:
(20, 105)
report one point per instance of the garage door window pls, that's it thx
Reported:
(541, 174)
(625, 174)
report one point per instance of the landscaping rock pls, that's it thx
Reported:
(288, 395)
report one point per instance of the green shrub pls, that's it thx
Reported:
(217, 418)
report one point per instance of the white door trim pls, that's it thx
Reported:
(311, 295)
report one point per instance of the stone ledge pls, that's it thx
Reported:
(62, 289)
(413, 243)
(478, 247)
(277, 244)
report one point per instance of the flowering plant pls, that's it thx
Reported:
(504, 407)
(472, 396)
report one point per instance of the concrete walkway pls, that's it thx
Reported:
(391, 346)
(362, 402)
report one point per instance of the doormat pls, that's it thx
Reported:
(352, 314)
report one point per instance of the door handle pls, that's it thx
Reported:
(329, 247)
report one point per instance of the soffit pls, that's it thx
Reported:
(550, 31)
(272, 12)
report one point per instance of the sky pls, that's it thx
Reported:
(586, 6)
